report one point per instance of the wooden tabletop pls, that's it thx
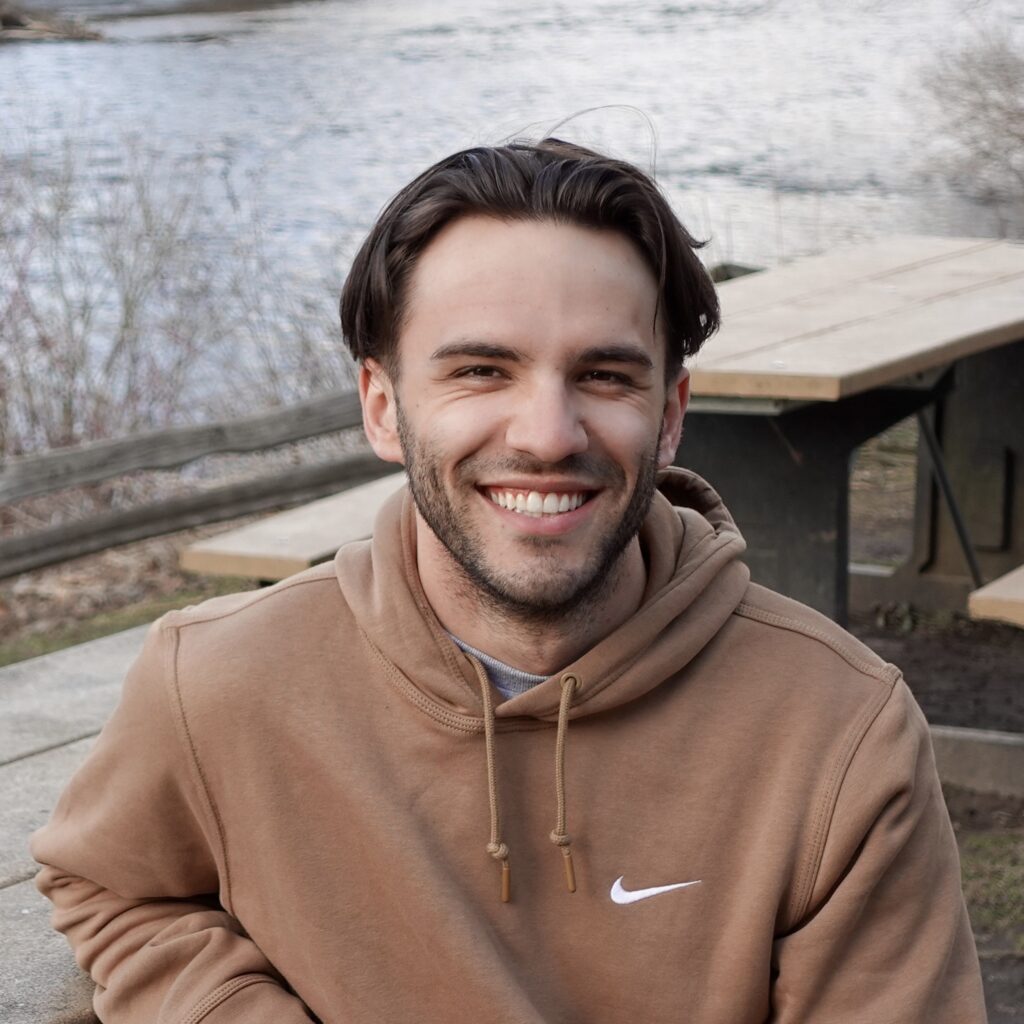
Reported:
(862, 317)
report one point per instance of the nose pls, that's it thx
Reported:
(547, 424)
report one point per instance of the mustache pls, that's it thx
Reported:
(588, 466)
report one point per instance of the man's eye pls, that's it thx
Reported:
(607, 377)
(479, 372)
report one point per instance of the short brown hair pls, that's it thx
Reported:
(547, 180)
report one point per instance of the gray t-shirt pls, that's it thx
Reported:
(508, 681)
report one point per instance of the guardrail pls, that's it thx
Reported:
(30, 476)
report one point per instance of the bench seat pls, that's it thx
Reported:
(1002, 599)
(284, 544)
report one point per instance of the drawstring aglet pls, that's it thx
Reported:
(562, 841)
(570, 871)
(499, 851)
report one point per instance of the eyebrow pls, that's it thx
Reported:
(617, 354)
(630, 354)
(477, 349)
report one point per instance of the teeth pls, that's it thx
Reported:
(533, 503)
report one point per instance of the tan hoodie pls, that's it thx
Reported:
(290, 812)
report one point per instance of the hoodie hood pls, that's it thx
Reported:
(691, 548)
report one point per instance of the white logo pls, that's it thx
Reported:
(620, 895)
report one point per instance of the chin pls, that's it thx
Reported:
(539, 593)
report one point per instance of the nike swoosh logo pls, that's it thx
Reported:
(623, 896)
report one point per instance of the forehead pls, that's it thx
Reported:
(535, 283)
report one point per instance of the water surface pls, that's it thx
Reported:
(782, 127)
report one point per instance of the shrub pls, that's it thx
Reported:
(976, 92)
(134, 303)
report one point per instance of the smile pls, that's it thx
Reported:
(537, 503)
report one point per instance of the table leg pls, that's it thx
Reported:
(785, 478)
(979, 424)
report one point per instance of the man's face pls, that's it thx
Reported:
(530, 410)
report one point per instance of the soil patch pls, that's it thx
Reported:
(961, 672)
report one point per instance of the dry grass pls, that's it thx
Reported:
(992, 864)
(33, 644)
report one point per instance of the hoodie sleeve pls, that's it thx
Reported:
(133, 863)
(882, 934)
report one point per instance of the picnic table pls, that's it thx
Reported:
(813, 359)
(816, 357)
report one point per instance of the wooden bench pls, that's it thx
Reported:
(291, 541)
(1002, 599)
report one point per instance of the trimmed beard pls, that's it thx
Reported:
(557, 595)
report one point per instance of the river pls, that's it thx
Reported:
(781, 127)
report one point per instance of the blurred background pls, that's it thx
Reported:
(180, 198)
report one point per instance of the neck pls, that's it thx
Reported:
(541, 643)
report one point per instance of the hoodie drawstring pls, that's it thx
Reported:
(496, 848)
(558, 835)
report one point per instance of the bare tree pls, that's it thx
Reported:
(132, 305)
(977, 95)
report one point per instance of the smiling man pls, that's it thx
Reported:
(310, 801)
(534, 404)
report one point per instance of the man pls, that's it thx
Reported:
(538, 752)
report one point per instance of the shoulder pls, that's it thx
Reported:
(250, 640)
(285, 605)
(806, 688)
(836, 723)
(792, 632)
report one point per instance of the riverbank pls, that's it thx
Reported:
(82, 14)
(20, 25)
(45, 23)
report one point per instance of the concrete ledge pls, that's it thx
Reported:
(980, 759)
(61, 697)
(41, 982)
(36, 783)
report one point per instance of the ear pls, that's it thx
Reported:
(672, 419)
(380, 417)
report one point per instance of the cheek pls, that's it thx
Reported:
(452, 433)
(624, 432)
